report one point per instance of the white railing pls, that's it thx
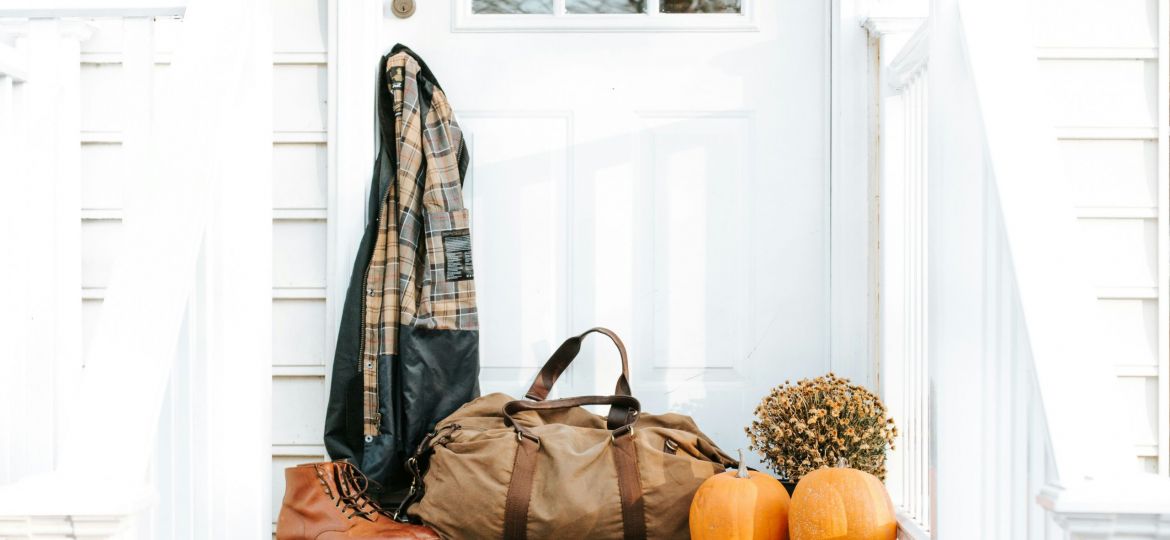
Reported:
(989, 360)
(194, 272)
(904, 240)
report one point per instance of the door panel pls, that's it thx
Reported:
(667, 183)
(517, 192)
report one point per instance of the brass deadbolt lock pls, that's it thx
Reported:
(403, 8)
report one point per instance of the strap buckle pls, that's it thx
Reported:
(622, 431)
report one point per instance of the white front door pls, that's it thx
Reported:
(660, 174)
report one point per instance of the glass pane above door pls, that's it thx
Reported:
(700, 6)
(605, 6)
(512, 6)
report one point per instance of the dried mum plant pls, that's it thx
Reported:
(816, 422)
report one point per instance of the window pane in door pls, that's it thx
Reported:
(700, 6)
(511, 6)
(605, 6)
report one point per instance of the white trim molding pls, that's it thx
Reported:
(44, 9)
(1135, 506)
(651, 20)
(52, 507)
(912, 59)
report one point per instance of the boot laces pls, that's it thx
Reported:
(352, 487)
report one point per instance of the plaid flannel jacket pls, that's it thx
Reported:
(407, 351)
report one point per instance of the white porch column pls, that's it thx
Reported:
(45, 239)
(13, 341)
(67, 217)
(234, 293)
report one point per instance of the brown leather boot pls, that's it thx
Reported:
(327, 501)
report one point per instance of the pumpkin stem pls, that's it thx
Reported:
(743, 473)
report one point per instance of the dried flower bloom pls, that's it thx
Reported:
(817, 422)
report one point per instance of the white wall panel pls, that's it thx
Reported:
(91, 309)
(298, 410)
(1121, 252)
(300, 327)
(298, 97)
(100, 244)
(1101, 63)
(162, 83)
(1102, 93)
(1140, 397)
(103, 173)
(167, 33)
(298, 253)
(1119, 172)
(299, 26)
(1096, 23)
(516, 193)
(299, 176)
(1132, 326)
(108, 36)
(103, 104)
(298, 332)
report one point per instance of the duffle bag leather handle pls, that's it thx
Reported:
(627, 402)
(564, 355)
(619, 414)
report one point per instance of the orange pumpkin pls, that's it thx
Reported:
(839, 502)
(740, 505)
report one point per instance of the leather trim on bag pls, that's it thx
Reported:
(520, 489)
(625, 458)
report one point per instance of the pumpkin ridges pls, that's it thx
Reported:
(831, 498)
(727, 507)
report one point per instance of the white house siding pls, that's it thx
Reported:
(1105, 69)
(301, 329)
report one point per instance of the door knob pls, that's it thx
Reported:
(402, 8)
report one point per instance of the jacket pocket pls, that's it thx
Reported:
(448, 291)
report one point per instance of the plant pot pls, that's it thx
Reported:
(790, 486)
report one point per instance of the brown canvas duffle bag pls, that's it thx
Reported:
(529, 468)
